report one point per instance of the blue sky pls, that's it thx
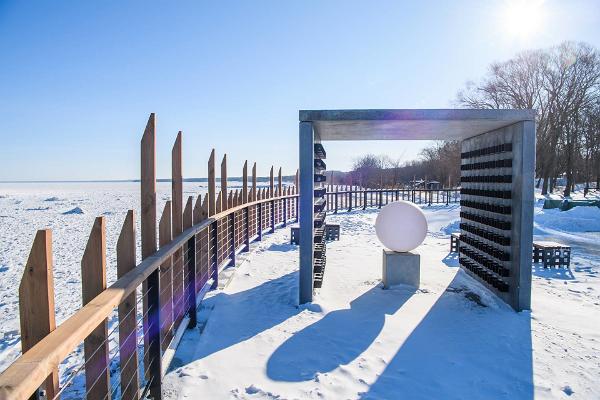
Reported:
(79, 78)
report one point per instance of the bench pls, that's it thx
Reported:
(551, 254)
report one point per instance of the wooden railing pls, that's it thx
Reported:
(196, 241)
(352, 197)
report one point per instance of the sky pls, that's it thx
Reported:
(79, 78)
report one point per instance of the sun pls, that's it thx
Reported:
(522, 18)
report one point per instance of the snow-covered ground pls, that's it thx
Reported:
(69, 210)
(450, 339)
(356, 340)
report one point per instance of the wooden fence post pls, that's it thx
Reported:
(224, 194)
(204, 246)
(177, 223)
(350, 199)
(36, 301)
(190, 265)
(246, 212)
(245, 182)
(271, 183)
(336, 200)
(259, 220)
(212, 245)
(279, 183)
(232, 237)
(95, 346)
(214, 238)
(285, 207)
(272, 205)
(211, 184)
(126, 247)
(197, 218)
(165, 236)
(279, 194)
(151, 302)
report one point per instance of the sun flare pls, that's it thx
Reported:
(522, 18)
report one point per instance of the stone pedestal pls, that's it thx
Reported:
(401, 268)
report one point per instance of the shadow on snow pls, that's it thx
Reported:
(461, 349)
(337, 338)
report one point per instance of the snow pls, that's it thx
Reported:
(449, 339)
(69, 210)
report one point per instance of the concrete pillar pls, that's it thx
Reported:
(306, 158)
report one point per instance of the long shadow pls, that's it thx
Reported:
(244, 315)
(451, 260)
(552, 272)
(337, 338)
(462, 350)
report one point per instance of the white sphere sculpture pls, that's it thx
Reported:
(401, 226)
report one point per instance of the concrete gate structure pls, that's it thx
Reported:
(497, 179)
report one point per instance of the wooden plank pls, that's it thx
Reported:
(279, 184)
(190, 266)
(218, 204)
(271, 183)
(126, 247)
(225, 204)
(204, 211)
(205, 249)
(148, 200)
(177, 223)
(165, 235)
(245, 182)
(187, 213)
(254, 192)
(189, 283)
(197, 214)
(95, 346)
(197, 217)
(36, 300)
(177, 185)
(211, 184)
(148, 188)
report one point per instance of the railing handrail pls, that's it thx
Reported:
(393, 190)
(39, 361)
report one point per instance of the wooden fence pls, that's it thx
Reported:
(353, 197)
(181, 260)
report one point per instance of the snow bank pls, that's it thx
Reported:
(578, 219)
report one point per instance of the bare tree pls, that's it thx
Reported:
(562, 84)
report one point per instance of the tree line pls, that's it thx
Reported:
(439, 162)
(562, 83)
